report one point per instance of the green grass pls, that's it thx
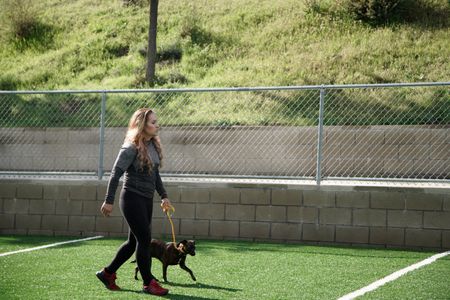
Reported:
(429, 282)
(97, 45)
(224, 270)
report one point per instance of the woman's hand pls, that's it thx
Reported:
(165, 204)
(106, 209)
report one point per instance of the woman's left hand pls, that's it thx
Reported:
(165, 204)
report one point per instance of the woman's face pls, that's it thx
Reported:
(151, 126)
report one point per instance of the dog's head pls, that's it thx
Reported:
(188, 246)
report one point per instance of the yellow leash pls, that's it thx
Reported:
(169, 216)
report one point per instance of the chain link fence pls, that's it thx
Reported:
(370, 132)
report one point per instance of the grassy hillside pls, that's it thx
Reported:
(87, 44)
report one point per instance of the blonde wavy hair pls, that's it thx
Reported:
(135, 135)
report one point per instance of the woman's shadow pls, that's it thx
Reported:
(189, 285)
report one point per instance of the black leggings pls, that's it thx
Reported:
(137, 211)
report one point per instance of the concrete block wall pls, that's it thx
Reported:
(342, 215)
(348, 150)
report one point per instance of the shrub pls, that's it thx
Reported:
(371, 11)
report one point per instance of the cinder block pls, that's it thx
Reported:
(254, 230)
(352, 234)
(352, 199)
(40, 232)
(418, 152)
(255, 196)
(224, 195)
(303, 214)
(68, 207)
(14, 231)
(389, 200)
(240, 212)
(92, 208)
(370, 136)
(162, 226)
(83, 192)
(224, 228)
(194, 195)
(28, 221)
(387, 236)
(423, 201)
(7, 190)
(56, 191)
(270, 213)
(194, 227)
(210, 211)
(173, 193)
(433, 137)
(319, 233)
(423, 238)
(339, 136)
(50, 222)
(29, 191)
(446, 239)
(158, 212)
(17, 206)
(341, 216)
(400, 137)
(86, 163)
(68, 233)
(286, 197)
(108, 224)
(183, 210)
(447, 204)
(437, 220)
(405, 218)
(42, 207)
(102, 189)
(369, 217)
(319, 198)
(286, 231)
(6, 221)
(79, 223)
(439, 152)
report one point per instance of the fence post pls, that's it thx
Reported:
(320, 137)
(102, 137)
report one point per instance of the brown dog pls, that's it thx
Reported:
(169, 254)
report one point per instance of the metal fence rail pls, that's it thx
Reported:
(370, 132)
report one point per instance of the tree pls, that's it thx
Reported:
(151, 52)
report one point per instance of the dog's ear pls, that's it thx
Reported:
(184, 242)
(192, 242)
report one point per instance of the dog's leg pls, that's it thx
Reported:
(165, 272)
(184, 267)
(136, 270)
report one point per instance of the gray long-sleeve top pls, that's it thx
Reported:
(139, 181)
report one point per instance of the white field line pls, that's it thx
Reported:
(393, 276)
(50, 245)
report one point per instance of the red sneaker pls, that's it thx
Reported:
(155, 289)
(109, 280)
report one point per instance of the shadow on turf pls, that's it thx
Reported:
(203, 286)
(169, 296)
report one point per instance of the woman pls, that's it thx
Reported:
(139, 158)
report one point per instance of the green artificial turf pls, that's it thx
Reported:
(224, 270)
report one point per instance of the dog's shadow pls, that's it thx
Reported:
(203, 286)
